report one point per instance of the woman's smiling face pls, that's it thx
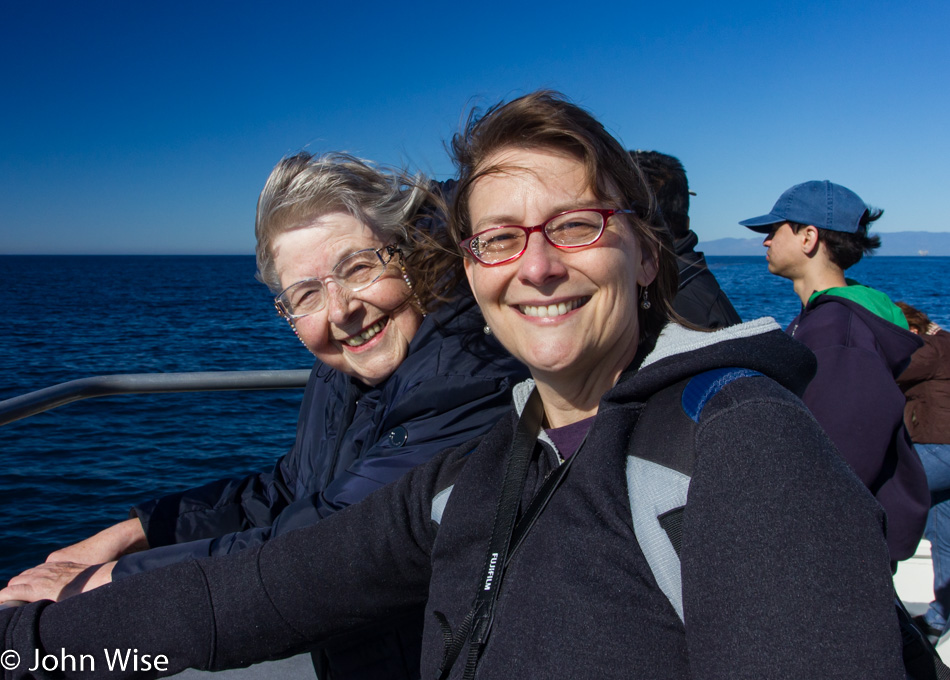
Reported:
(567, 314)
(365, 334)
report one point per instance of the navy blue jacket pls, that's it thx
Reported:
(351, 440)
(856, 400)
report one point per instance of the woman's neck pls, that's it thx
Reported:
(567, 402)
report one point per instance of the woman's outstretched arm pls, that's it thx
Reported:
(366, 563)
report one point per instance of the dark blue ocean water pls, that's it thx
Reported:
(71, 471)
(74, 470)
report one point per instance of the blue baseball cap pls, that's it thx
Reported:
(822, 204)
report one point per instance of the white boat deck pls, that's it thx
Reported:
(294, 668)
(914, 582)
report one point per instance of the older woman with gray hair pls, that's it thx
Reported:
(403, 371)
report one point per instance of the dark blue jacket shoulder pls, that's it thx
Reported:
(856, 400)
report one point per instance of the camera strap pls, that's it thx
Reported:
(477, 623)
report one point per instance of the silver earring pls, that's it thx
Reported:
(644, 299)
(487, 329)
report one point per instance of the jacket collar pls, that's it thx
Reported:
(679, 352)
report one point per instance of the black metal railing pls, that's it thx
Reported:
(48, 398)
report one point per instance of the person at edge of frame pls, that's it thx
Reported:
(699, 300)
(926, 384)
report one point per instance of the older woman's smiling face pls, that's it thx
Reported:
(365, 334)
(569, 315)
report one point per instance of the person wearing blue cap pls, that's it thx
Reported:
(815, 232)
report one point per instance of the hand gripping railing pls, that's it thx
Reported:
(146, 383)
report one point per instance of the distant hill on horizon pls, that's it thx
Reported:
(895, 243)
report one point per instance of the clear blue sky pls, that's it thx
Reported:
(145, 127)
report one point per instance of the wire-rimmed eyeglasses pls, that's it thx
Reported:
(570, 229)
(354, 272)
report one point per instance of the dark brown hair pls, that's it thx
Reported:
(846, 249)
(667, 178)
(916, 319)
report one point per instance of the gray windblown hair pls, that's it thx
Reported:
(304, 187)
